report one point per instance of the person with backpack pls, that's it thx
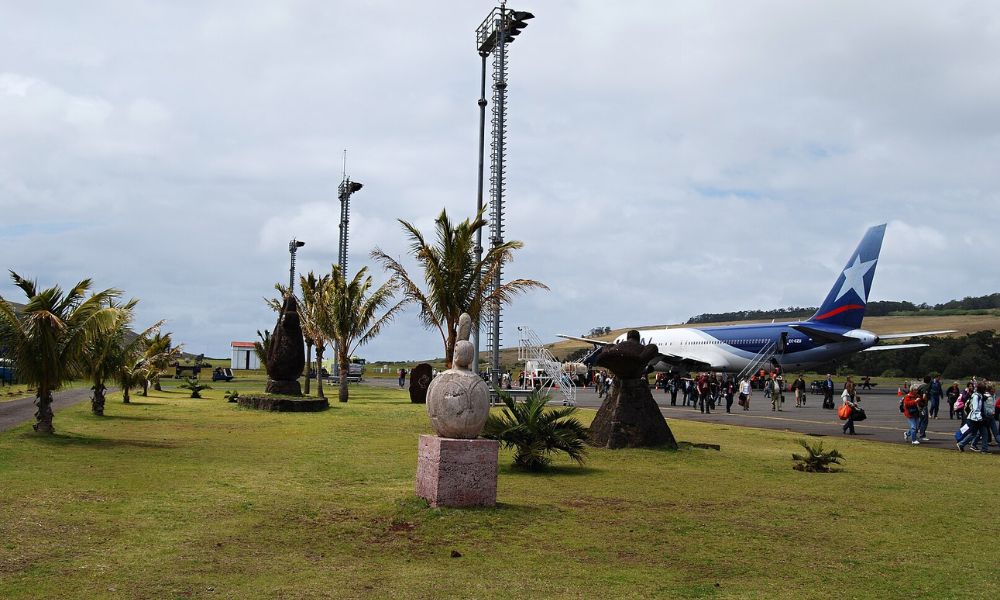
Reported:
(989, 426)
(923, 402)
(908, 405)
(974, 420)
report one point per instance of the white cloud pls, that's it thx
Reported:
(665, 160)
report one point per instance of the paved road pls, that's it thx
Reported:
(884, 423)
(16, 412)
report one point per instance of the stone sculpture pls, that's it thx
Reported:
(458, 400)
(286, 356)
(629, 417)
(420, 378)
(454, 468)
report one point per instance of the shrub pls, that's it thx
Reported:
(195, 387)
(816, 460)
(535, 432)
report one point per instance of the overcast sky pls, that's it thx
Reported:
(666, 158)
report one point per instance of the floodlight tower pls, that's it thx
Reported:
(293, 247)
(497, 30)
(346, 188)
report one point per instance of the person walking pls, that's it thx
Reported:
(704, 389)
(799, 387)
(777, 393)
(852, 401)
(674, 383)
(952, 394)
(923, 402)
(936, 392)
(828, 391)
(746, 389)
(728, 390)
(402, 377)
(990, 428)
(912, 413)
(975, 418)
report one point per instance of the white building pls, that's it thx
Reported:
(244, 356)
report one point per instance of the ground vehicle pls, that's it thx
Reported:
(7, 374)
(355, 371)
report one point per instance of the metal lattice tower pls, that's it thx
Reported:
(493, 36)
(344, 191)
(498, 183)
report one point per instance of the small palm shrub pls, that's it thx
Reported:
(195, 387)
(232, 396)
(815, 460)
(535, 432)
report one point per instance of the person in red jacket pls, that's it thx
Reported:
(912, 413)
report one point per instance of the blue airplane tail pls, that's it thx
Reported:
(845, 304)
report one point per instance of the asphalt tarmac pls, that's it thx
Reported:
(884, 423)
(15, 412)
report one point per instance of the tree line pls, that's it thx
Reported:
(879, 308)
(58, 336)
(952, 358)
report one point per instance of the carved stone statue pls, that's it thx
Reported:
(455, 467)
(458, 400)
(420, 377)
(286, 355)
(629, 417)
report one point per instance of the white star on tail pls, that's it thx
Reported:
(854, 278)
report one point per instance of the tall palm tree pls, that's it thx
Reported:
(310, 314)
(349, 317)
(48, 337)
(450, 270)
(108, 355)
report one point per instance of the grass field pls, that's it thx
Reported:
(177, 498)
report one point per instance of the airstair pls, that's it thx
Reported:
(530, 348)
(765, 354)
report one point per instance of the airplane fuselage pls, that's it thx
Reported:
(731, 348)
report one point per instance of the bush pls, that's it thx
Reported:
(815, 460)
(535, 432)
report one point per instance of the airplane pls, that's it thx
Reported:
(832, 332)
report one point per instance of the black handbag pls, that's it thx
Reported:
(858, 415)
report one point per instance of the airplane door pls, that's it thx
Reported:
(782, 342)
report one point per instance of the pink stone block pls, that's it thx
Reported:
(453, 472)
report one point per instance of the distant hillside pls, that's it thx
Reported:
(975, 305)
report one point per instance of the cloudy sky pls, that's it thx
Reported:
(666, 158)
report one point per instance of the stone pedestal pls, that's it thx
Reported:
(456, 473)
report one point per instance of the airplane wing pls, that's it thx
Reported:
(899, 336)
(819, 335)
(895, 347)
(583, 339)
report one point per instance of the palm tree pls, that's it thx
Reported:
(48, 337)
(310, 314)
(450, 270)
(349, 318)
(535, 432)
(117, 350)
(159, 354)
(261, 347)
